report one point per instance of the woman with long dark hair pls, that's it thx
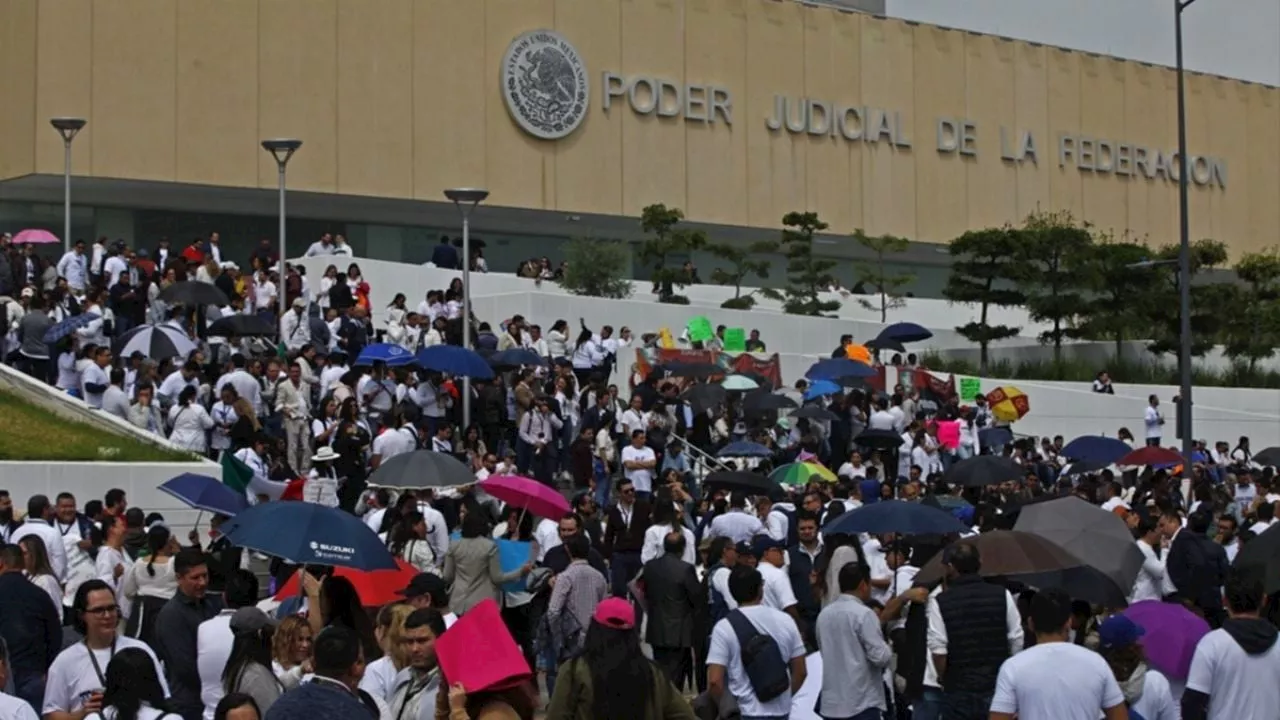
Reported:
(248, 669)
(35, 557)
(236, 706)
(133, 690)
(408, 541)
(149, 585)
(631, 686)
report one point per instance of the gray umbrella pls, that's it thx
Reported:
(420, 470)
(1099, 538)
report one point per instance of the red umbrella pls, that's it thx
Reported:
(1151, 455)
(375, 589)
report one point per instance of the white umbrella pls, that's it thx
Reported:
(155, 341)
(739, 382)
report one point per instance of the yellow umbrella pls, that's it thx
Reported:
(1008, 403)
(858, 352)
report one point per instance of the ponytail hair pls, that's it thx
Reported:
(157, 540)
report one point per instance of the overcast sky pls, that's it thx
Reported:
(1235, 38)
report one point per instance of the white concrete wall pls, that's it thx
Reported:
(89, 481)
(1100, 354)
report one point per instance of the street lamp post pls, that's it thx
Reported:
(466, 199)
(67, 127)
(1184, 250)
(282, 149)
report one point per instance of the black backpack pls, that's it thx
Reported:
(767, 670)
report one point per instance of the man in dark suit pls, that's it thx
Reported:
(1196, 565)
(29, 625)
(674, 597)
(628, 519)
(445, 255)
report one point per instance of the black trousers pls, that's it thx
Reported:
(674, 662)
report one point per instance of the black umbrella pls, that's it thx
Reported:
(1268, 457)
(1260, 558)
(813, 412)
(884, 343)
(879, 439)
(983, 470)
(240, 326)
(740, 481)
(704, 396)
(761, 401)
(193, 294)
(905, 332)
(154, 341)
(1099, 538)
(421, 469)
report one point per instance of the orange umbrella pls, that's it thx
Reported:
(1008, 403)
(858, 352)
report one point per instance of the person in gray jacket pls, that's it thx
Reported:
(248, 669)
(31, 329)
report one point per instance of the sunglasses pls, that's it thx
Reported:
(103, 611)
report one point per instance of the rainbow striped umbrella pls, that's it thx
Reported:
(802, 473)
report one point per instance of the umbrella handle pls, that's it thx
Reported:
(196, 527)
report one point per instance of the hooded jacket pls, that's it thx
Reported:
(1254, 635)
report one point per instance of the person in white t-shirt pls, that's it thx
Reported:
(78, 675)
(1235, 669)
(770, 555)
(639, 461)
(725, 670)
(214, 638)
(1153, 421)
(1055, 679)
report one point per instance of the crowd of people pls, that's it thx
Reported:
(661, 583)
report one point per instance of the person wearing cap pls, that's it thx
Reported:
(295, 330)
(248, 667)
(1054, 679)
(771, 554)
(428, 590)
(1147, 693)
(612, 677)
(973, 627)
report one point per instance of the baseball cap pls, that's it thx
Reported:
(763, 543)
(615, 613)
(1118, 630)
(745, 548)
(425, 584)
(251, 620)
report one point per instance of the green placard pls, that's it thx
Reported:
(700, 329)
(970, 388)
(735, 340)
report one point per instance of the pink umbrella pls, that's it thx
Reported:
(32, 236)
(527, 494)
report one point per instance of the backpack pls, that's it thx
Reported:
(793, 531)
(761, 658)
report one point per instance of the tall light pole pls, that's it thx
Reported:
(67, 127)
(466, 199)
(282, 149)
(1184, 250)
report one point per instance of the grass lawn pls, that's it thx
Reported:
(29, 432)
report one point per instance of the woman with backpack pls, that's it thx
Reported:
(612, 678)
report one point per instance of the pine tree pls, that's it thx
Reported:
(808, 276)
(876, 276)
(985, 271)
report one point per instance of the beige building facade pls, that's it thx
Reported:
(736, 111)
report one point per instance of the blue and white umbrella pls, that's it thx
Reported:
(68, 326)
(307, 533)
(455, 360)
(392, 355)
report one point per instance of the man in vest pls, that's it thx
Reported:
(974, 626)
(801, 559)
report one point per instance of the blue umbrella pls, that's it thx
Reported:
(205, 493)
(1096, 448)
(895, 516)
(392, 355)
(307, 533)
(455, 360)
(821, 388)
(905, 332)
(68, 326)
(835, 368)
(994, 436)
(516, 357)
(744, 448)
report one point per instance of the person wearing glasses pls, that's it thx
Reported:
(77, 678)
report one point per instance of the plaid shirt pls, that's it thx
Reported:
(577, 591)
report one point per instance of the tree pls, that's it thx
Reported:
(743, 262)
(1057, 252)
(808, 276)
(596, 268)
(876, 275)
(986, 268)
(659, 223)
(1114, 310)
(1252, 325)
(1163, 315)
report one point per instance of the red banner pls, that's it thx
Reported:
(768, 368)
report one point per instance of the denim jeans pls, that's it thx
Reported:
(929, 706)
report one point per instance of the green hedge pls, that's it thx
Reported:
(1122, 372)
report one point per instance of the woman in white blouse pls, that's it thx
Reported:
(149, 584)
(224, 417)
(408, 541)
(326, 283)
(190, 422)
(112, 562)
(39, 571)
(558, 340)
(665, 521)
